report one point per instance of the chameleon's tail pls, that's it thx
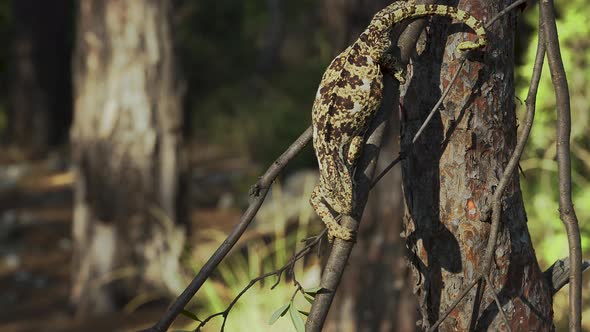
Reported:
(400, 10)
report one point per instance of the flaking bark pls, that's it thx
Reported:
(450, 176)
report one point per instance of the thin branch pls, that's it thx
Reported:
(341, 250)
(453, 305)
(278, 272)
(386, 170)
(509, 170)
(259, 191)
(518, 150)
(497, 300)
(566, 207)
(462, 60)
(558, 275)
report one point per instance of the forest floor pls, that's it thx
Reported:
(36, 244)
(36, 250)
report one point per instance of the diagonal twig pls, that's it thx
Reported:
(341, 250)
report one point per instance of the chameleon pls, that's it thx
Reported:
(348, 96)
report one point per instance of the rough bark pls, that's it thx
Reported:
(449, 178)
(40, 108)
(126, 149)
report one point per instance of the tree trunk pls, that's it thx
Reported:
(126, 149)
(40, 108)
(450, 175)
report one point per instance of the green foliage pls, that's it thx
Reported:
(190, 315)
(295, 313)
(280, 312)
(296, 319)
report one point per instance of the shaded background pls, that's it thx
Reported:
(249, 70)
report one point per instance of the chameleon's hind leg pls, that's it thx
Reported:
(392, 66)
(335, 230)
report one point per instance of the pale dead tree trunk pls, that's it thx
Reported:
(126, 149)
(450, 175)
(40, 93)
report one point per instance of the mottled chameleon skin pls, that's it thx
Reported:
(348, 96)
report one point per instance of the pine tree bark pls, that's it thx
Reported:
(126, 148)
(449, 178)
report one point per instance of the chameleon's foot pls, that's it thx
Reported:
(340, 232)
(393, 67)
(400, 76)
(468, 45)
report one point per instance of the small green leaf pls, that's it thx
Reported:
(279, 313)
(303, 312)
(296, 319)
(309, 298)
(190, 315)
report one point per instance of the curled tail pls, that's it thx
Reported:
(400, 10)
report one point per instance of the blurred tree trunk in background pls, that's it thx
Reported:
(450, 174)
(126, 142)
(40, 110)
(375, 295)
(273, 39)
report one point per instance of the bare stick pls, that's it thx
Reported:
(259, 191)
(566, 208)
(341, 250)
(558, 275)
(386, 170)
(510, 168)
(454, 305)
(497, 300)
(462, 59)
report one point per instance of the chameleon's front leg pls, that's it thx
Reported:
(354, 149)
(334, 228)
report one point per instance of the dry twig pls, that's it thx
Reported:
(566, 208)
